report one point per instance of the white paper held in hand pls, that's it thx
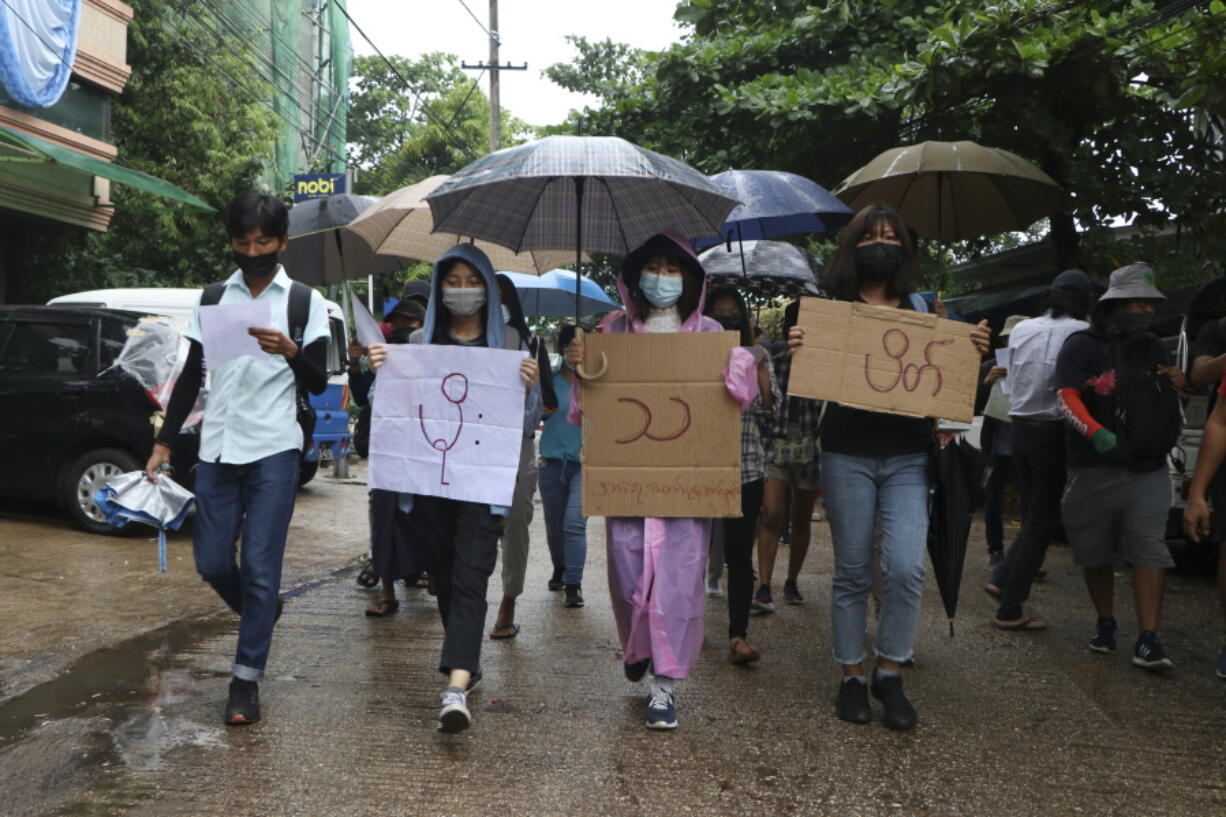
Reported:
(223, 327)
(1002, 360)
(364, 324)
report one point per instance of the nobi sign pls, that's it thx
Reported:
(318, 185)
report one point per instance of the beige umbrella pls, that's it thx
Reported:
(400, 224)
(954, 190)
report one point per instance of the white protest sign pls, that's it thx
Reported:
(223, 330)
(364, 324)
(448, 421)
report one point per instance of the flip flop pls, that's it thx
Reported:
(502, 633)
(382, 607)
(992, 590)
(367, 577)
(1025, 625)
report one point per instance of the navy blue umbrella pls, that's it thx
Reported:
(775, 203)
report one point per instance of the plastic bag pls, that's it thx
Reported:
(154, 355)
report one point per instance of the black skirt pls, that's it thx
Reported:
(392, 551)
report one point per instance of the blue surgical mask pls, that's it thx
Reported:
(661, 291)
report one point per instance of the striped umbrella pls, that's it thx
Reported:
(400, 225)
(594, 193)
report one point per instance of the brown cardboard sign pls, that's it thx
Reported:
(893, 360)
(661, 434)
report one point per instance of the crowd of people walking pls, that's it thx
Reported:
(1079, 421)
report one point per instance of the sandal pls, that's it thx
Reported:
(382, 607)
(420, 581)
(501, 633)
(367, 577)
(1022, 625)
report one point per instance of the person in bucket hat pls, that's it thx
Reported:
(1119, 393)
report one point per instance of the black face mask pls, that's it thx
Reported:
(879, 261)
(401, 334)
(1121, 324)
(732, 323)
(1076, 304)
(256, 266)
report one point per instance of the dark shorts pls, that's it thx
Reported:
(1111, 511)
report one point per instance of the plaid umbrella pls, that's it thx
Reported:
(767, 268)
(320, 253)
(775, 203)
(400, 225)
(595, 193)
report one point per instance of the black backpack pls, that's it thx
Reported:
(299, 310)
(1144, 410)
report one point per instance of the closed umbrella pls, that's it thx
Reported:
(321, 253)
(131, 497)
(401, 225)
(552, 295)
(956, 473)
(766, 268)
(594, 193)
(954, 190)
(775, 203)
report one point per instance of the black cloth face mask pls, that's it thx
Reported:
(256, 266)
(401, 334)
(878, 261)
(1121, 324)
(731, 323)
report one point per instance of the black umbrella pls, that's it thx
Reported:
(767, 268)
(956, 474)
(321, 253)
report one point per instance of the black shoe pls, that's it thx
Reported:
(243, 707)
(899, 713)
(1104, 636)
(853, 702)
(555, 581)
(1149, 654)
(636, 671)
(995, 557)
(574, 598)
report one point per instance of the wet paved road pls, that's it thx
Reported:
(1010, 723)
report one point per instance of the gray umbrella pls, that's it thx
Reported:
(770, 268)
(321, 253)
(593, 193)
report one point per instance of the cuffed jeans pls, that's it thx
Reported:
(256, 500)
(857, 490)
(561, 484)
(1038, 462)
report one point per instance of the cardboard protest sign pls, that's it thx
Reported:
(661, 434)
(893, 360)
(448, 421)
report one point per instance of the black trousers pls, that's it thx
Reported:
(999, 476)
(1038, 462)
(393, 552)
(739, 536)
(461, 540)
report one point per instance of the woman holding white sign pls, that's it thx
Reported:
(461, 538)
(657, 566)
(874, 465)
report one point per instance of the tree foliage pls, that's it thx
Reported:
(191, 114)
(399, 136)
(1123, 104)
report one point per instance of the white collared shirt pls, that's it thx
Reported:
(251, 412)
(1034, 346)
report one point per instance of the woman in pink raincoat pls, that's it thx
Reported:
(657, 566)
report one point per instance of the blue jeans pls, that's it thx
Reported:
(561, 487)
(256, 500)
(857, 490)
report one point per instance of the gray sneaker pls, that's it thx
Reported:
(454, 716)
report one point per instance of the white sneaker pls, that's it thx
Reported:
(454, 716)
(713, 589)
(661, 710)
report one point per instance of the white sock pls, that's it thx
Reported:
(661, 684)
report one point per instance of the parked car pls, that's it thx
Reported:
(332, 438)
(68, 425)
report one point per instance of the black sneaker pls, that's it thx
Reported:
(555, 581)
(1149, 654)
(636, 671)
(899, 713)
(243, 707)
(1104, 638)
(995, 557)
(574, 598)
(853, 701)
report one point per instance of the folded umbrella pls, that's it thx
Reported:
(955, 474)
(131, 497)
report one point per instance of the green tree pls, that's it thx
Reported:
(399, 136)
(190, 114)
(1123, 104)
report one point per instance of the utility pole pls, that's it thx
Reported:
(494, 68)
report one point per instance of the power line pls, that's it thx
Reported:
(477, 19)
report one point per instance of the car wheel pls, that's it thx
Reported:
(82, 479)
(307, 472)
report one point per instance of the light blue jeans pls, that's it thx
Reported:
(561, 487)
(857, 490)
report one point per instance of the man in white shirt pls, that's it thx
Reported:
(251, 440)
(1036, 436)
